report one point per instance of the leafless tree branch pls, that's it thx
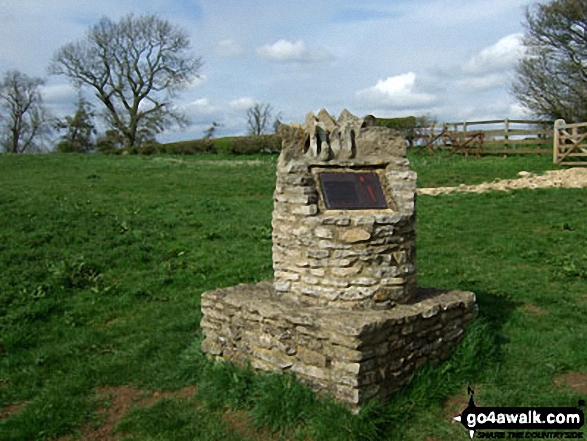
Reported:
(23, 116)
(552, 77)
(135, 67)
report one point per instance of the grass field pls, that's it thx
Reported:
(103, 260)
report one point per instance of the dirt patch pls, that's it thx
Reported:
(533, 309)
(241, 423)
(569, 178)
(573, 380)
(11, 409)
(188, 393)
(454, 405)
(115, 403)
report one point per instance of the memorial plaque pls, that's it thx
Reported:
(352, 190)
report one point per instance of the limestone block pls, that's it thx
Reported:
(348, 367)
(206, 323)
(283, 286)
(355, 235)
(357, 294)
(306, 210)
(318, 291)
(286, 275)
(318, 254)
(274, 358)
(352, 252)
(364, 281)
(311, 280)
(300, 317)
(345, 272)
(211, 347)
(311, 357)
(310, 371)
(340, 263)
(334, 282)
(324, 233)
(319, 272)
(303, 199)
(215, 314)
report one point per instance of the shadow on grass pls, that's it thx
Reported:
(496, 308)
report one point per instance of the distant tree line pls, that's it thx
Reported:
(134, 67)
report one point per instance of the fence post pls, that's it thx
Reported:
(558, 124)
(506, 137)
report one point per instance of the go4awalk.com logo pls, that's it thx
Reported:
(537, 422)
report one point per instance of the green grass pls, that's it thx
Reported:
(176, 419)
(438, 170)
(103, 260)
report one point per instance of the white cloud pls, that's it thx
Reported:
(198, 81)
(481, 83)
(59, 93)
(241, 103)
(200, 106)
(517, 111)
(287, 51)
(459, 13)
(229, 48)
(240, 54)
(399, 92)
(501, 56)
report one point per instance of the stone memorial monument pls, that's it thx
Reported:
(344, 312)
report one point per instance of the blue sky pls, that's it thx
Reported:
(449, 59)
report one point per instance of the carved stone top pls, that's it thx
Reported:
(347, 141)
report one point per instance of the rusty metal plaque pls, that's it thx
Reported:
(352, 190)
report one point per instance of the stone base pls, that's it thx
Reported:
(355, 355)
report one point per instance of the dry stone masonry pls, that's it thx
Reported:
(343, 312)
(344, 258)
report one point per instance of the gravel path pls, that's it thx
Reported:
(569, 178)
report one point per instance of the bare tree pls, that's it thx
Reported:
(135, 67)
(259, 118)
(23, 117)
(277, 122)
(552, 77)
(210, 132)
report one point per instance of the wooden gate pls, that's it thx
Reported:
(570, 143)
(494, 137)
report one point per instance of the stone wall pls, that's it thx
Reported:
(343, 258)
(354, 355)
(343, 312)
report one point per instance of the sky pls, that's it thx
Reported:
(450, 60)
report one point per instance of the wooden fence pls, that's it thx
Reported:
(570, 143)
(503, 137)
